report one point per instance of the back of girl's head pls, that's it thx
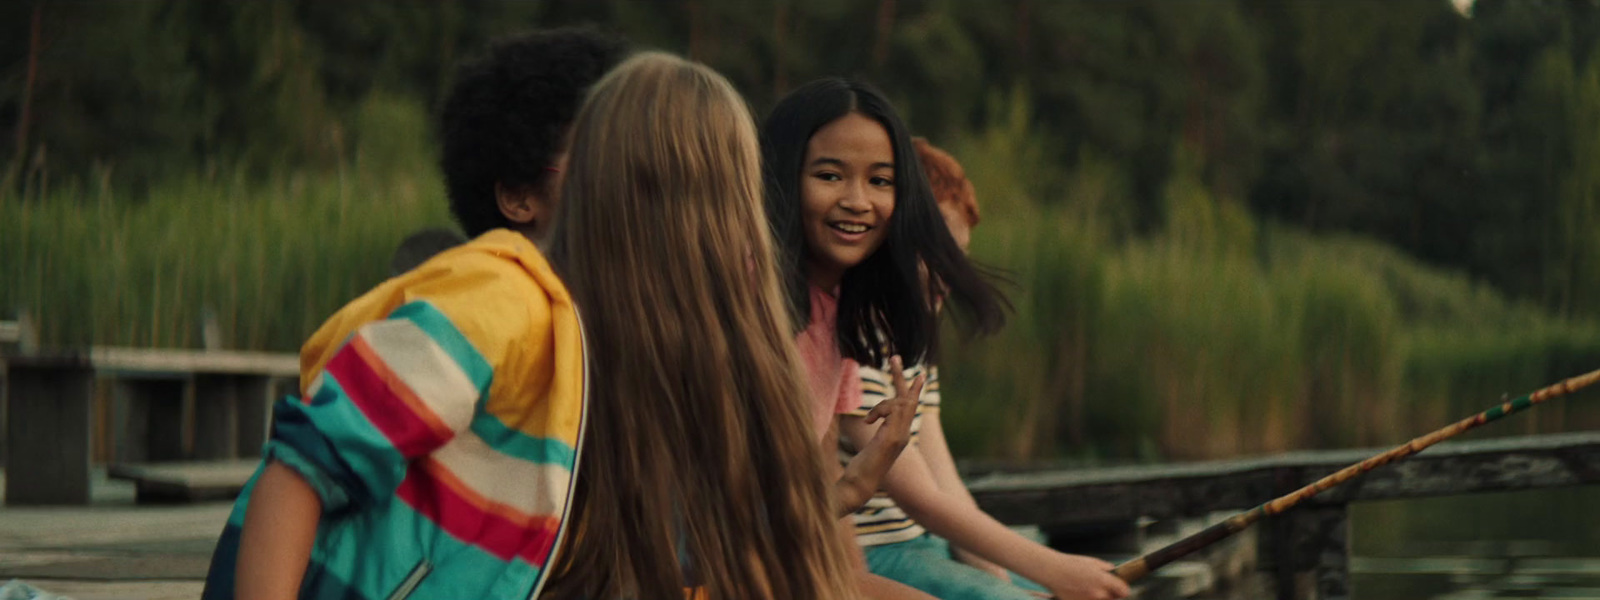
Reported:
(505, 117)
(884, 295)
(698, 440)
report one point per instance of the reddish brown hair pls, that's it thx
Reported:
(948, 180)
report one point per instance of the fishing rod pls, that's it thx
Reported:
(1137, 568)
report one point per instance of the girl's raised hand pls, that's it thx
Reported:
(899, 410)
(861, 476)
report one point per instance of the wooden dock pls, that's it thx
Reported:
(167, 405)
(1306, 552)
(115, 547)
(193, 421)
(111, 548)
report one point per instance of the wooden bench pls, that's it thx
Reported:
(1306, 549)
(168, 405)
(188, 481)
(16, 337)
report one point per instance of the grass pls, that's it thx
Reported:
(1220, 335)
(1214, 336)
(270, 257)
(271, 261)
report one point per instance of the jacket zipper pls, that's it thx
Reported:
(412, 580)
(577, 460)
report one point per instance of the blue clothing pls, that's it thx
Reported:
(925, 563)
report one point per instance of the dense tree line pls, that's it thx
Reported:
(1470, 138)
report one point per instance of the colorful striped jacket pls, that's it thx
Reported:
(439, 422)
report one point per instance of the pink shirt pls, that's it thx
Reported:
(834, 380)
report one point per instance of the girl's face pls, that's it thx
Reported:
(846, 195)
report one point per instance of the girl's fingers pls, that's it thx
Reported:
(897, 374)
(915, 390)
(1120, 587)
(883, 409)
(904, 402)
(905, 396)
(905, 405)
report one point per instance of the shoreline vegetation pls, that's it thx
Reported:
(1217, 335)
(1234, 227)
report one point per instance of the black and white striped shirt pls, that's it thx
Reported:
(880, 521)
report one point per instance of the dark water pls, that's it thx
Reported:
(1531, 544)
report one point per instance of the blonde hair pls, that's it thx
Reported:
(698, 444)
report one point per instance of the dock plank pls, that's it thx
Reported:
(152, 360)
(185, 481)
(1066, 497)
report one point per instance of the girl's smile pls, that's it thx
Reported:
(847, 195)
(850, 232)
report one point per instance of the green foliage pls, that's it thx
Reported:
(272, 260)
(392, 134)
(1233, 226)
(1220, 335)
(1573, 267)
(115, 99)
(1456, 137)
(142, 92)
(1382, 119)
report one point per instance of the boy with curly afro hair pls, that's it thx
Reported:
(504, 126)
(431, 448)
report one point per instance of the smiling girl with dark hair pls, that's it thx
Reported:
(862, 235)
(833, 221)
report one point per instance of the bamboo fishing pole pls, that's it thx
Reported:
(1137, 568)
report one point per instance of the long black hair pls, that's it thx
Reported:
(884, 304)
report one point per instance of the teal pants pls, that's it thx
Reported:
(925, 563)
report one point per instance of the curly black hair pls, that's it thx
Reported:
(507, 112)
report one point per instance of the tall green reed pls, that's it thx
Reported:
(271, 257)
(1215, 335)
(1219, 334)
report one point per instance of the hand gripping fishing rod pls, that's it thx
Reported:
(1137, 568)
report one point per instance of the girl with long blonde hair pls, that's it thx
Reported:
(700, 465)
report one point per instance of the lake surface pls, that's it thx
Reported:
(1530, 544)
